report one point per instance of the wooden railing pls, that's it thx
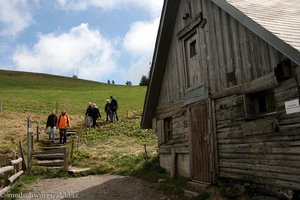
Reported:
(10, 173)
(15, 166)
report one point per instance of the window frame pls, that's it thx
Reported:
(193, 48)
(253, 104)
(168, 129)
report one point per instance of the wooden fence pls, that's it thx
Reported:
(10, 173)
(1, 106)
(15, 166)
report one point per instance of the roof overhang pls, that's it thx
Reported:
(160, 57)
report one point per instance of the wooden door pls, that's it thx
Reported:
(200, 143)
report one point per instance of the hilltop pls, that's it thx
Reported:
(38, 93)
(35, 94)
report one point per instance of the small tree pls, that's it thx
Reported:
(108, 81)
(144, 81)
(113, 82)
(128, 83)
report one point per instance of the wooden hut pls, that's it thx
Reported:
(224, 85)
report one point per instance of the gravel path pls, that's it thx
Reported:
(104, 187)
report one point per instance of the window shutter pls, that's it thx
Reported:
(160, 131)
(154, 128)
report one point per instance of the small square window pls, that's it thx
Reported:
(168, 130)
(266, 102)
(259, 104)
(193, 51)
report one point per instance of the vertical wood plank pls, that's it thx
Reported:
(264, 57)
(243, 45)
(211, 47)
(173, 163)
(227, 46)
(236, 50)
(219, 53)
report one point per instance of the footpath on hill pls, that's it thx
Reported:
(104, 187)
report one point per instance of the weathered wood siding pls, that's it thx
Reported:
(227, 53)
(263, 155)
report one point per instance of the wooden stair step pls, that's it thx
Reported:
(50, 163)
(76, 170)
(51, 151)
(48, 156)
(54, 147)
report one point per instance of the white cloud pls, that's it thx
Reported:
(15, 16)
(153, 6)
(140, 39)
(80, 48)
(139, 42)
(137, 70)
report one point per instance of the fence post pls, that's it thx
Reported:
(65, 159)
(37, 133)
(29, 131)
(32, 142)
(72, 148)
(17, 166)
(146, 154)
(1, 106)
(22, 156)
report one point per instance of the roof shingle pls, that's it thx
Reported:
(282, 18)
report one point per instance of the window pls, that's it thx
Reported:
(266, 102)
(259, 104)
(193, 51)
(168, 130)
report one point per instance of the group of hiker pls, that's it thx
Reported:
(92, 114)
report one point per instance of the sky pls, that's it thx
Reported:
(97, 40)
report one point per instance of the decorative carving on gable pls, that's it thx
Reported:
(199, 20)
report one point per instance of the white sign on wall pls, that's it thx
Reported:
(292, 106)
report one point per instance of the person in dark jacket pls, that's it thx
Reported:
(95, 115)
(51, 126)
(108, 111)
(88, 116)
(114, 108)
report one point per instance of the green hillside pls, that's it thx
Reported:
(38, 93)
(34, 94)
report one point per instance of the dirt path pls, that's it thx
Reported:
(104, 187)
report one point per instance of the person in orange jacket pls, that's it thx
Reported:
(63, 123)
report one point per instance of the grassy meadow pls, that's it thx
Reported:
(24, 94)
(38, 93)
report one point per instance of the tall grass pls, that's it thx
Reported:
(38, 93)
